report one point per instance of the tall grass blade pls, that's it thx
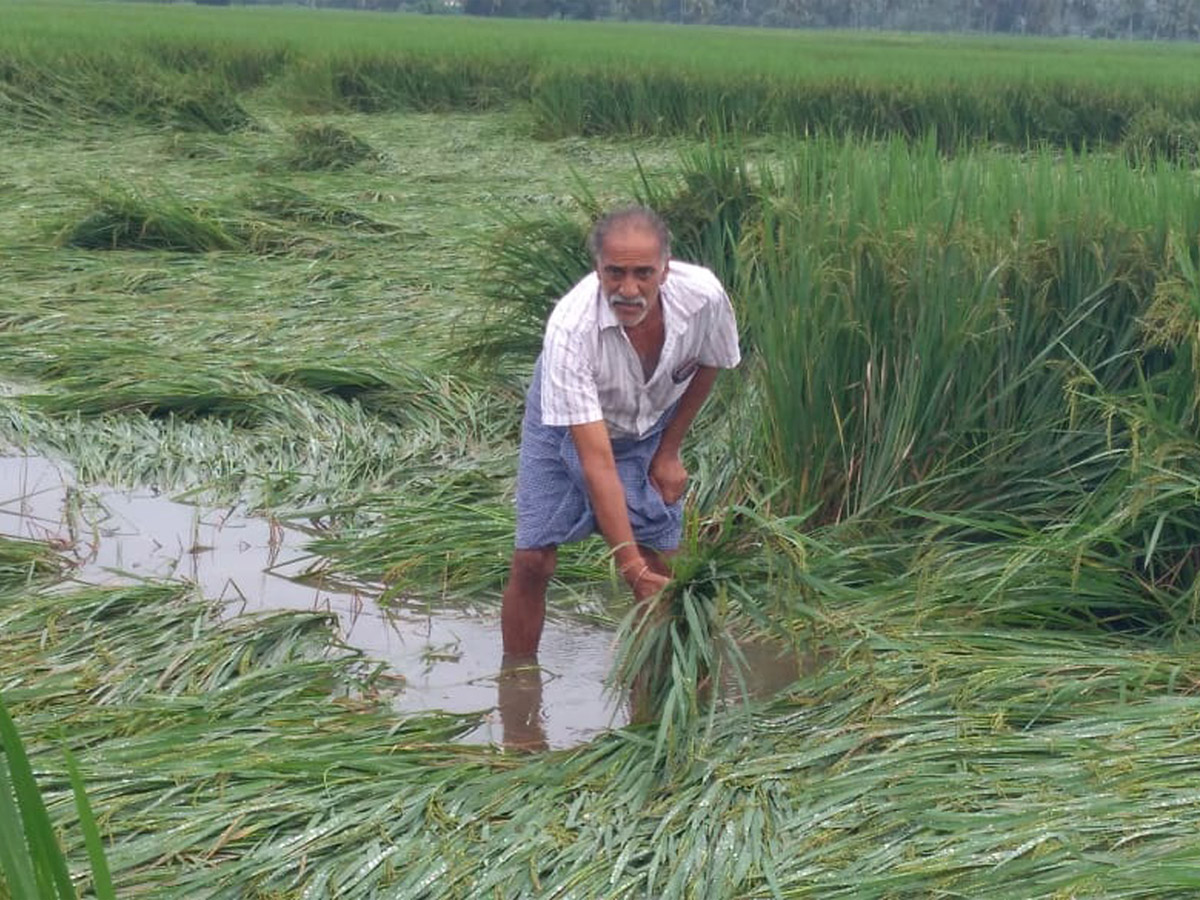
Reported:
(16, 863)
(49, 865)
(102, 884)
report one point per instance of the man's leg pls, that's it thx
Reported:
(523, 611)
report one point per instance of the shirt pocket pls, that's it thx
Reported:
(685, 370)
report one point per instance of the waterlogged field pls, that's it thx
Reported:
(296, 278)
(307, 379)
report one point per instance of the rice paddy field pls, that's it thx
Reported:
(292, 265)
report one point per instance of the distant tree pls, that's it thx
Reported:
(1132, 17)
(576, 9)
(1179, 18)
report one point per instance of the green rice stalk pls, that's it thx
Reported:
(24, 561)
(213, 110)
(102, 884)
(673, 650)
(16, 859)
(36, 835)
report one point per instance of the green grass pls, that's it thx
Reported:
(23, 561)
(183, 37)
(161, 65)
(958, 467)
(978, 761)
(309, 378)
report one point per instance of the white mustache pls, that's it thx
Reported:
(618, 300)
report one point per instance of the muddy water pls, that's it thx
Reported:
(449, 658)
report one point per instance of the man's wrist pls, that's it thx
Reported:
(635, 573)
(628, 557)
(666, 450)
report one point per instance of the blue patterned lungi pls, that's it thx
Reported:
(553, 506)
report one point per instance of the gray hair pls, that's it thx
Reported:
(633, 216)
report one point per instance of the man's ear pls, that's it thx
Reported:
(662, 279)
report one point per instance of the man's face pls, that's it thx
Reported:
(632, 267)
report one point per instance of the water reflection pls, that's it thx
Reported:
(447, 657)
(764, 668)
(767, 667)
(519, 702)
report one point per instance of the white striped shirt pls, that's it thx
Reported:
(592, 373)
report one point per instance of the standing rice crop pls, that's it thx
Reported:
(912, 319)
(76, 63)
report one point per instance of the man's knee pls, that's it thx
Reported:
(536, 564)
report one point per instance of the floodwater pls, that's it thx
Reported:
(448, 658)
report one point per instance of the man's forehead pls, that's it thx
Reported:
(630, 244)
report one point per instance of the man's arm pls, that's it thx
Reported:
(608, 503)
(667, 473)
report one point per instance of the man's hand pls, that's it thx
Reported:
(668, 476)
(644, 581)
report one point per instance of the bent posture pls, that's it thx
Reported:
(630, 354)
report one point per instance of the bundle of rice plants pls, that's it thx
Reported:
(326, 147)
(190, 145)
(122, 219)
(161, 387)
(1154, 135)
(674, 649)
(340, 381)
(211, 108)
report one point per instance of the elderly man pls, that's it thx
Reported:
(629, 357)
